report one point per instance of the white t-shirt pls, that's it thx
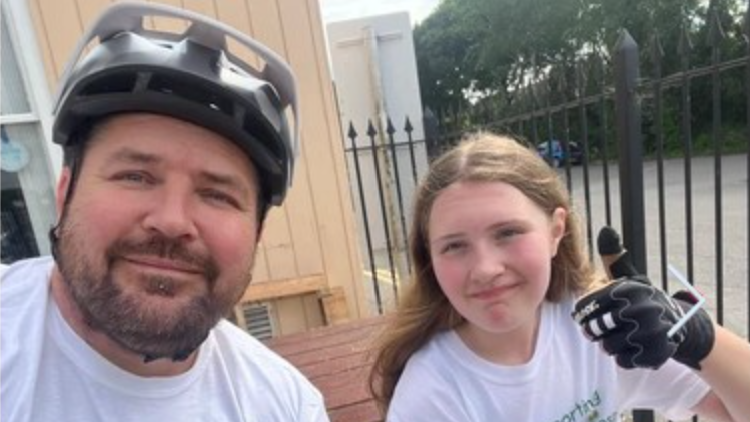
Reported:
(568, 379)
(50, 374)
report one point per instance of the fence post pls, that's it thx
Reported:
(431, 133)
(630, 148)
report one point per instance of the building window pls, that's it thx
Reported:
(28, 205)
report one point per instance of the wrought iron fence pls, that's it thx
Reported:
(636, 137)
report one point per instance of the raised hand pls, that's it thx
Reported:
(631, 317)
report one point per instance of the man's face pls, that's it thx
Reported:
(158, 241)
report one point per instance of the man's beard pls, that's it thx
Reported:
(145, 330)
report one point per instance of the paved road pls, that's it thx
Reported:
(733, 238)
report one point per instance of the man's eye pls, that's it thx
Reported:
(132, 177)
(221, 198)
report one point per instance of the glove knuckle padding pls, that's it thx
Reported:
(647, 318)
(631, 319)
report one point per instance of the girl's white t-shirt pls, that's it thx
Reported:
(568, 379)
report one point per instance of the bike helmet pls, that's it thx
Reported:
(190, 76)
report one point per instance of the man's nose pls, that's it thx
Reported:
(171, 216)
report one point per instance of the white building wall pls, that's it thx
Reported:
(375, 74)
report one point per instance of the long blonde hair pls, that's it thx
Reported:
(424, 310)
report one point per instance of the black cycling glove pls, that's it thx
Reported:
(631, 318)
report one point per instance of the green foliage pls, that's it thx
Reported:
(492, 47)
(480, 60)
(447, 45)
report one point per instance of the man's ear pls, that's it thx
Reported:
(558, 227)
(62, 190)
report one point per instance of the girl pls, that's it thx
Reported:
(485, 331)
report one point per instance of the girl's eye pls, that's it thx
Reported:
(452, 247)
(507, 233)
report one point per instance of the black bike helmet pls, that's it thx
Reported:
(190, 76)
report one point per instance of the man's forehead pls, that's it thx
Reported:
(149, 129)
(148, 137)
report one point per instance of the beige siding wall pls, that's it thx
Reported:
(314, 232)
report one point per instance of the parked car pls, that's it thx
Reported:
(556, 155)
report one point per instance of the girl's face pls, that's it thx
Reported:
(492, 250)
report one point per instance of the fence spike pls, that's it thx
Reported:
(601, 68)
(408, 127)
(533, 94)
(657, 48)
(485, 110)
(625, 41)
(389, 129)
(546, 88)
(657, 54)
(715, 31)
(351, 133)
(371, 131)
(562, 82)
(685, 45)
(580, 80)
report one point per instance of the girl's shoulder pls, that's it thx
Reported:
(434, 353)
(427, 389)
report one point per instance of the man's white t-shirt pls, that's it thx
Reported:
(50, 374)
(568, 379)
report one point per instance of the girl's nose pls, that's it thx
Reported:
(488, 264)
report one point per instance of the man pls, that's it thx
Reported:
(174, 150)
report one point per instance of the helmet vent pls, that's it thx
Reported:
(167, 84)
(118, 83)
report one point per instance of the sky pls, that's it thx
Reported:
(338, 10)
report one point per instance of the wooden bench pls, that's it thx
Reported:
(337, 360)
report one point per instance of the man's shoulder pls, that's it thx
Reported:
(25, 280)
(24, 292)
(26, 268)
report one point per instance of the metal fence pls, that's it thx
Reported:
(671, 204)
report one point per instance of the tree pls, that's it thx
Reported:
(490, 48)
(447, 45)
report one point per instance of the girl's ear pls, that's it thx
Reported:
(559, 217)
